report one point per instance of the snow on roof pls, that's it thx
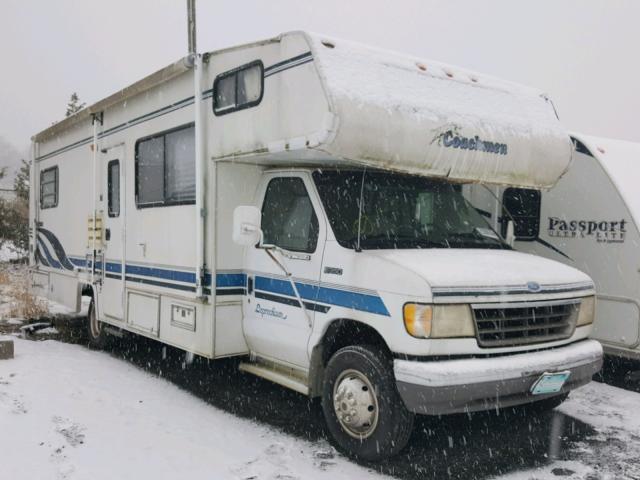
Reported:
(398, 111)
(621, 161)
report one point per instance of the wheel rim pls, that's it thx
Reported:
(94, 324)
(355, 404)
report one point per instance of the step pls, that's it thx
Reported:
(282, 375)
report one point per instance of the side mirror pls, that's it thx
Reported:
(246, 226)
(510, 238)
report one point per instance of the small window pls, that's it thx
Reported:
(288, 218)
(523, 206)
(113, 188)
(49, 188)
(238, 89)
(166, 169)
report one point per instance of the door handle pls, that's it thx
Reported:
(249, 285)
(107, 234)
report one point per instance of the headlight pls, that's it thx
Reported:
(438, 321)
(587, 311)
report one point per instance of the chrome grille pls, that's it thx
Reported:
(511, 324)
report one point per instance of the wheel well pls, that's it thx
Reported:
(87, 291)
(341, 333)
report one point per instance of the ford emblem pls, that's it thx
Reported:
(533, 286)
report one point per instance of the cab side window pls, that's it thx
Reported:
(523, 205)
(288, 218)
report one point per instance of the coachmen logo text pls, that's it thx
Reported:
(450, 139)
(604, 231)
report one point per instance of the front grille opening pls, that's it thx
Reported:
(524, 324)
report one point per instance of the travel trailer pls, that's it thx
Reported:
(589, 220)
(304, 210)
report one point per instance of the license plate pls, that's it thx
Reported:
(549, 383)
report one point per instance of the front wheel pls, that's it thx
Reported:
(361, 404)
(95, 329)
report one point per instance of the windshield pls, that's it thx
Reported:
(401, 211)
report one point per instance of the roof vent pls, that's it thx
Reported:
(421, 66)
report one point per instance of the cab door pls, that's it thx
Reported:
(112, 292)
(276, 325)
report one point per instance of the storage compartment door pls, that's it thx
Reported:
(143, 312)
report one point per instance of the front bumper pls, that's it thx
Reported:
(468, 385)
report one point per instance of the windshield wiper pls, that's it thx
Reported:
(474, 239)
(391, 242)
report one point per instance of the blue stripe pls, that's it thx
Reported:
(274, 285)
(330, 296)
(297, 58)
(54, 263)
(229, 280)
(78, 262)
(314, 293)
(114, 267)
(344, 298)
(175, 275)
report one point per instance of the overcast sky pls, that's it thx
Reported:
(582, 52)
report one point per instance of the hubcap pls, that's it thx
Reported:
(355, 404)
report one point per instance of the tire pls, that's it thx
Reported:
(360, 380)
(96, 333)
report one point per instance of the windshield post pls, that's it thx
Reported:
(360, 208)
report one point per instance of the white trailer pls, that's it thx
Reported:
(303, 209)
(589, 220)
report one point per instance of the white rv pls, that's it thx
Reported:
(304, 210)
(589, 220)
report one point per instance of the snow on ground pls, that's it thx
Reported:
(614, 413)
(605, 407)
(9, 252)
(67, 412)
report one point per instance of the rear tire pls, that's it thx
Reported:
(362, 406)
(96, 333)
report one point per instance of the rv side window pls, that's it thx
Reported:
(523, 205)
(238, 89)
(49, 188)
(288, 218)
(113, 188)
(166, 169)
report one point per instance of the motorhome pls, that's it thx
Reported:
(588, 220)
(298, 202)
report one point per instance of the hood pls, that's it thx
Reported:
(476, 270)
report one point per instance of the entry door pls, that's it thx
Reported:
(275, 324)
(113, 218)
